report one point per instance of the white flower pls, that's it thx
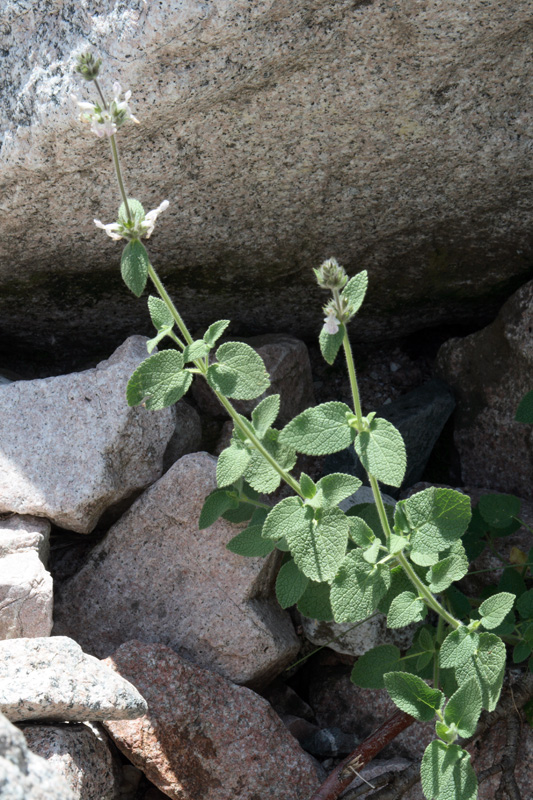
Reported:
(107, 121)
(138, 227)
(112, 229)
(331, 323)
(151, 217)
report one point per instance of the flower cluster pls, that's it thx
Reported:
(88, 66)
(141, 224)
(330, 275)
(105, 121)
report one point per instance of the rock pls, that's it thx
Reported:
(52, 679)
(490, 372)
(26, 588)
(204, 738)
(287, 362)
(187, 434)
(24, 775)
(354, 639)
(247, 113)
(71, 446)
(80, 754)
(156, 577)
(330, 742)
(420, 416)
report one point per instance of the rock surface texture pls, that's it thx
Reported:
(157, 578)
(71, 446)
(26, 588)
(81, 755)
(392, 136)
(491, 371)
(24, 775)
(52, 679)
(204, 738)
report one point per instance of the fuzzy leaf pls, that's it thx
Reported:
(319, 431)
(231, 464)
(355, 290)
(487, 665)
(436, 517)
(136, 211)
(525, 604)
(287, 514)
(158, 382)
(307, 486)
(458, 647)
(524, 412)
(370, 668)
(382, 452)
(499, 510)
(159, 313)
(446, 773)
(215, 331)
(151, 344)
(265, 413)
(196, 350)
(250, 543)
(358, 587)
(239, 372)
(320, 546)
(333, 489)
(361, 533)
(330, 343)
(315, 602)
(494, 609)
(259, 472)
(450, 569)
(412, 695)
(464, 707)
(404, 609)
(215, 505)
(290, 584)
(134, 266)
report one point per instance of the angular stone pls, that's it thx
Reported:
(71, 446)
(345, 637)
(204, 738)
(287, 362)
(24, 775)
(52, 679)
(490, 372)
(156, 577)
(80, 754)
(187, 434)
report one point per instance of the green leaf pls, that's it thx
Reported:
(436, 517)
(136, 210)
(361, 533)
(158, 382)
(260, 474)
(333, 489)
(160, 314)
(215, 505)
(369, 514)
(315, 602)
(307, 486)
(458, 647)
(464, 707)
(399, 583)
(370, 668)
(265, 413)
(404, 609)
(288, 513)
(511, 581)
(250, 543)
(134, 266)
(195, 351)
(231, 464)
(358, 587)
(319, 546)
(151, 344)
(215, 331)
(524, 604)
(330, 343)
(494, 610)
(460, 603)
(373, 552)
(450, 569)
(524, 412)
(446, 773)
(487, 665)
(499, 510)
(319, 431)
(355, 290)
(521, 651)
(412, 695)
(290, 584)
(382, 452)
(239, 372)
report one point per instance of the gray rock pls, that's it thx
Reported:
(71, 446)
(24, 775)
(330, 742)
(354, 639)
(247, 113)
(491, 371)
(420, 416)
(157, 578)
(80, 754)
(52, 679)
(187, 435)
(26, 588)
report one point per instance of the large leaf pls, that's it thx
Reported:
(458, 647)
(134, 266)
(355, 290)
(265, 413)
(450, 569)
(413, 695)
(369, 670)
(382, 452)
(319, 431)
(158, 382)
(358, 587)
(436, 517)
(333, 489)
(231, 464)
(463, 708)
(330, 343)
(239, 372)
(215, 504)
(446, 773)
(319, 545)
(260, 474)
(404, 609)
(250, 543)
(291, 583)
(315, 602)
(499, 510)
(495, 608)
(287, 515)
(487, 665)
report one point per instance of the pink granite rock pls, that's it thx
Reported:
(157, 578)
(204, 738)
(71, 446)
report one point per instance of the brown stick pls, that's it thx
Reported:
(343, 775)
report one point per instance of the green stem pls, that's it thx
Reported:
(154, 277)
(426, 594)
(436, 665)
(353, 378)
(118, 172)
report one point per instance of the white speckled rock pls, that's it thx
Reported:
(187, 434)
(24, 775)
(157, 578)
(71, 446)
(80, 754)
(345, 637)
(395, 136)
(52, 679)
(26, 588)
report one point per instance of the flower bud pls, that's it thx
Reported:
(330, 275)
(88, 66)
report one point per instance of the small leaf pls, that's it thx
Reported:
(436, 517)
(487, 665)
(290, 584)
(151, 344)
(446, 773)
(450, 569)
(195, 351)
(330, 343)
(499, 510)
(404, 609)
(373, 552)
(134, 266)
(215, 331)
(370, 668)
(160, 314)
(524, 604)
(382, 452)
(458, 647)
(136, 211)
(521, 651)
(307, 486)
(231, 464)
(319, 546)
(260, 474)
(494, 610)
(361, 533)
(315, 602)
(358, 587)
(265, 413)
(413, 696)
(250, 543)
(158, 382)
(333, 489)
(524, 412)
(464, 707)
(355, 290)
(288, 513)
(319, 431)
(215, 505)
(239, 372)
